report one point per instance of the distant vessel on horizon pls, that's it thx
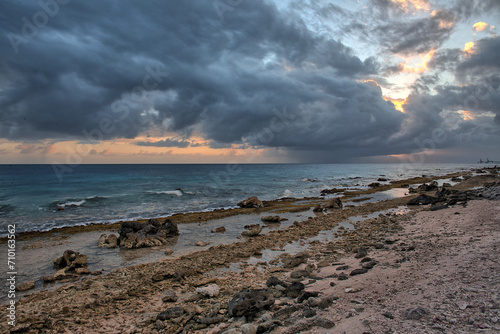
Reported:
(488, 161)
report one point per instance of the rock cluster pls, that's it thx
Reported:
(110, 241)
(152, 233)
(69, 266)
(251, 202)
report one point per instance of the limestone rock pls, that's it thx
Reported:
(251, 202)
(152, 233)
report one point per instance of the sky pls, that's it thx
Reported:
(240, 81)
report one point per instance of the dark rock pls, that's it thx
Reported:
(268, 326)
(415, 313)
(294, 289)
(342, 277)
(324, 302)
(362, 252)
(210, 320)
(271, 219)
(366, 259)
(152, 233)
(249, 302)
(456, 179)
(388, 315)
(324, 323)
(370, 264)
(342, 268)
(251, 202)
(273, 281)
(304, 295)
(293, 261)
(169, 297)
(171, 313)
(374, 185)
(381, 179)
(334, 203)
(358, 271)
(423, 200)
(309, 313)
(439, 207)
(299, 274)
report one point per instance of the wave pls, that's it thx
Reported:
(306, 179)
(166, 192)
(6, 208)
(177, 192)
(70, 204)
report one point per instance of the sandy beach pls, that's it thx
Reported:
(377, 266)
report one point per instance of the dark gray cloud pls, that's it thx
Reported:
(409, 36)
(258, 77)
(167, 142)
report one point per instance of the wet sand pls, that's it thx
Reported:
(129, 298)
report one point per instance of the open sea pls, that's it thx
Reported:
(38, 198)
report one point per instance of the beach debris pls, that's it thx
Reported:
(249, 302)
(152, 233)
(251, 202)
(334, 203)
(220, 229)
(211, 290)
(110, 241)
(271, 219)
(252, 230)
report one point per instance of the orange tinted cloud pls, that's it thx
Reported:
(398, 103)
(466, 115)
(417, 64)
(408, 5)
(469, 48)
(480, 26)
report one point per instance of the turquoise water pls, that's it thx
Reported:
(30, 195)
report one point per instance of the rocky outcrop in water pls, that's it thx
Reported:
(110, 241)
(251, 202)
(152, 233)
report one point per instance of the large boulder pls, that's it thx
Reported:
(152, 233)
(251, 202)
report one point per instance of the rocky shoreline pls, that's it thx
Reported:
(232, 289)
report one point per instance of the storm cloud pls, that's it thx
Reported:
(248, 74)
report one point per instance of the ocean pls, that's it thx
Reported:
(37, 198)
